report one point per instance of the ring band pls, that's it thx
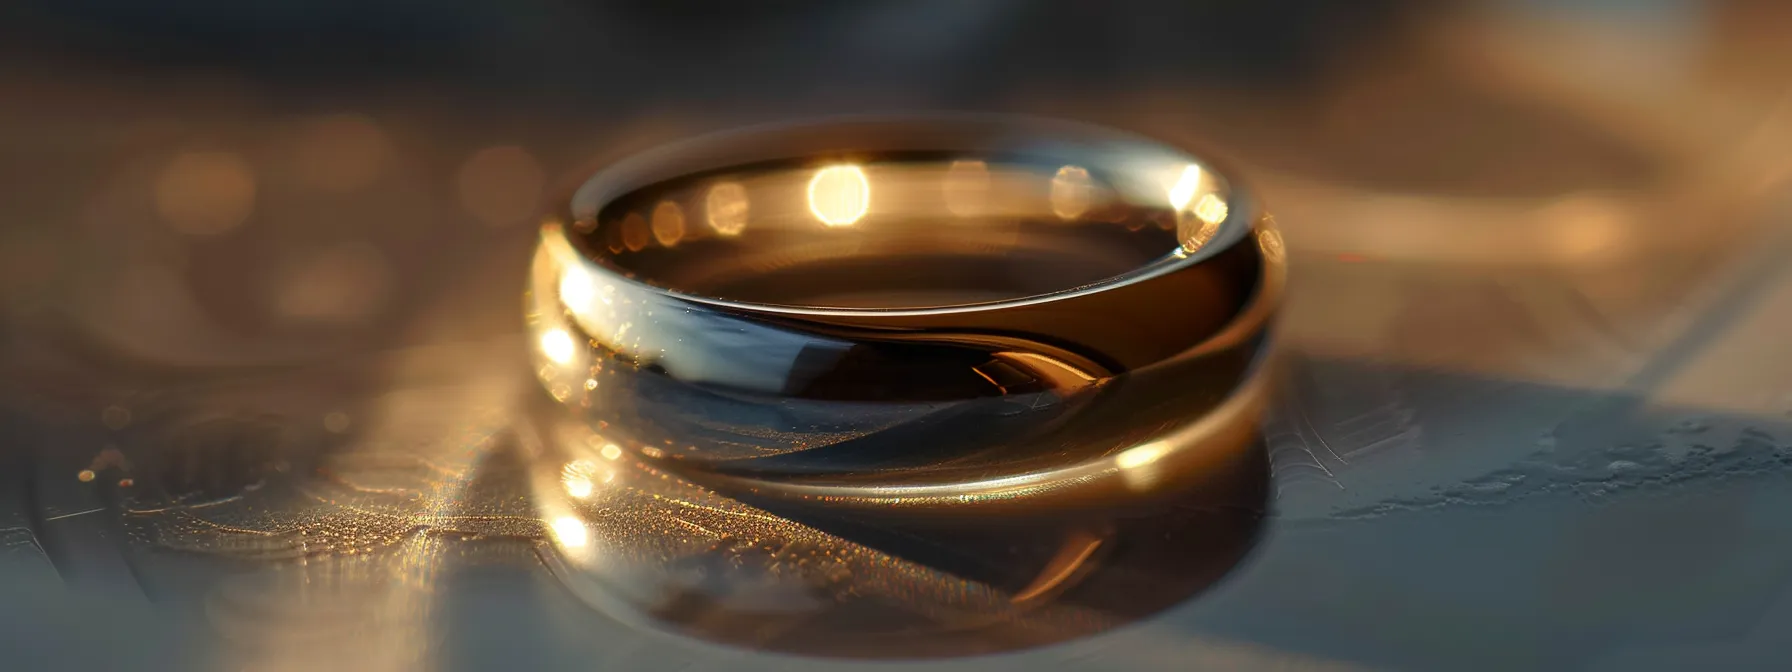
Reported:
(922, 313)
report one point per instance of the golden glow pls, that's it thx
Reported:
(579, 486)
(1138, 465)
(1585, 227)
(570, 532)
(967, 188)
(86, 476)
(635, 234)
(205, 193)
(1064, 568)
(727, 208)
(610, 451)
(1061, 374)
(576, 287)
(1189, 193)
(1270, 242)
(1142, 456)
(839, 195)
(1071, 192)
(1183, 191)
(575, 477)
(1194, 233)
(668, 223)
(613, 238)
(1209, 208)
(558, 346)
(500, 185)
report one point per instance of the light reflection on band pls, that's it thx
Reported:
(727, 208)
(569, 532)
(967, 188)
(1187, 185)
(1071, 192)
(558, 346)
(668, 223)
(839, 195)
(1210, 209)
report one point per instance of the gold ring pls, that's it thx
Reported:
(920, 313)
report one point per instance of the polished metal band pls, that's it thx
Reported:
(916, 313)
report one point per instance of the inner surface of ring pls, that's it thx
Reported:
(903, 230)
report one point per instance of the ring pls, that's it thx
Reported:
(920, 313)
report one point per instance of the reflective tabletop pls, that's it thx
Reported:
(268, 401)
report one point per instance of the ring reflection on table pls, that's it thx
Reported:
(922, 313)
(651, 550)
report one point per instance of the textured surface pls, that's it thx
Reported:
(262, 392)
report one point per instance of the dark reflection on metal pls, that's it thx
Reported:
(652, 549)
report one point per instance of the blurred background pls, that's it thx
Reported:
(260, 277)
